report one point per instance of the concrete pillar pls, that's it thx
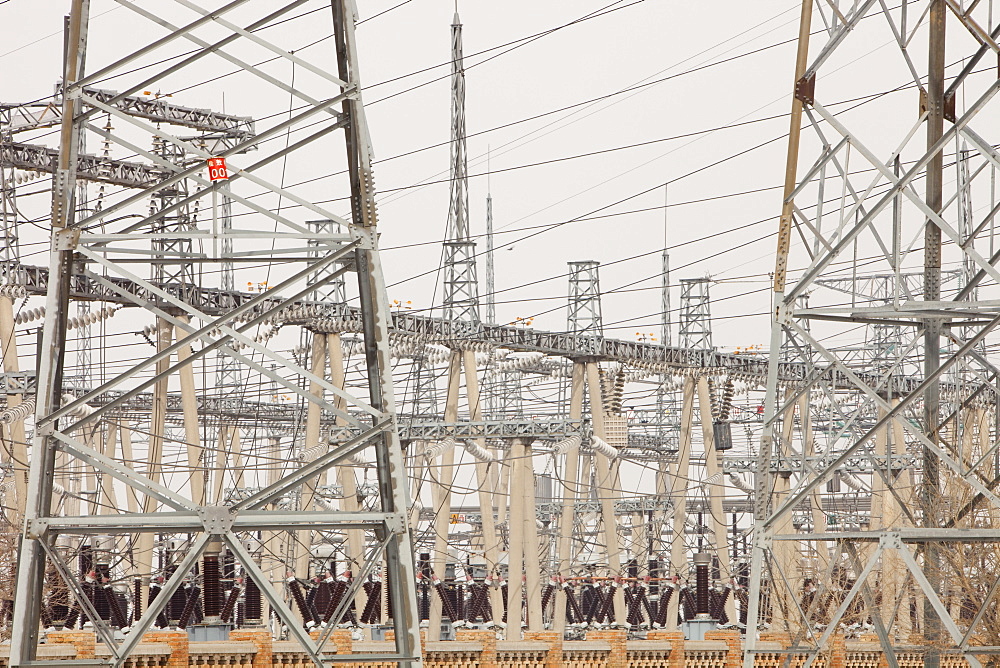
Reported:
(16, 455)
(607, 483)
(445, 475)
(716, 492)
(678, 494)
(571, 488)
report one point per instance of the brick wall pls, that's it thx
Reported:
(179, 646)
(261, 639)
(85, 642)
(614, 642)
(734, 655)
(554, 656)
(618, 656)
(488, 640)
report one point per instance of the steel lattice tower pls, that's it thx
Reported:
(194, 321)
(695, 329)
(584, 313)
(461, 290)
(909, 565)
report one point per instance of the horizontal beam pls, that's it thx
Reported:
(89, 168)
(250, 520)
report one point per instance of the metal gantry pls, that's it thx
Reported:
(109, 248)
(870, 207)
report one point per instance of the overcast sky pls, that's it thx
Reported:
(706, 68)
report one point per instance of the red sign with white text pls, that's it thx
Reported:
(217, 169)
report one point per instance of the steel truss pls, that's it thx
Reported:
(865, 196)
(64, 425)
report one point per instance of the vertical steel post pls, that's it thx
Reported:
(763, 484)
(399, 556)
(31, 562)
(932, 327)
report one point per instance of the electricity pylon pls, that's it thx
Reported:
(866, 192)
(98, 250)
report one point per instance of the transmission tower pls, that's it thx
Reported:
(461, 291)
(908, 567)
(695, 329)
(583, 315)
(95, 252)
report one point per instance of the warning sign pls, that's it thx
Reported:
(217, 169)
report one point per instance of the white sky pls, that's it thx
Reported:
(635, 43)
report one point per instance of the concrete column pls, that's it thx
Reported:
(716, 492)
(515, 549)
(570, 492)
(154, 455)
(345, 474)
(442, 496)
(313, 449)
(678, 494)
(607, 483)
(16, 455)
(192, 433)
(532, 567)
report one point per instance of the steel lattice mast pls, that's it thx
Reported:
(896, 218)
(85, 241)
(461, 289)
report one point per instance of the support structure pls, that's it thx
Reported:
(99, 246)
(461, 289)
(910, 569)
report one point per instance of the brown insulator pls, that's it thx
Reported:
(339, 589)
(227, 609)
(300, 600)
(574, 607)
(634, 602)
(161, 619)
(136, 598)
(175, 608)
(73, 616)
(689, 603)
(663, 605)
(253, 611)
(373, 609)
(592, 601)
(115, 607)
(506, 601)
(479, 604)
(547, 595)
(322, 597)
(702, 560)
(607, 613)
(190, 603)
(211, 583)
(446, 604)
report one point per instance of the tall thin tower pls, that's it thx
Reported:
(461, 293)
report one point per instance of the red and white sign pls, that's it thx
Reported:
(217, 169)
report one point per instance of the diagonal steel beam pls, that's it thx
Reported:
(130, 477)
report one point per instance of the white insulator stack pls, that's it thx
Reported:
(439, 447)
(19, 412)
(737, 482)
(314, 453)
(90, 318)
(852, 482)
(480, 453)
(30, 315)
(81, 411)
(712, 480)
(12, 291)
(567, 445)
(600, 445)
